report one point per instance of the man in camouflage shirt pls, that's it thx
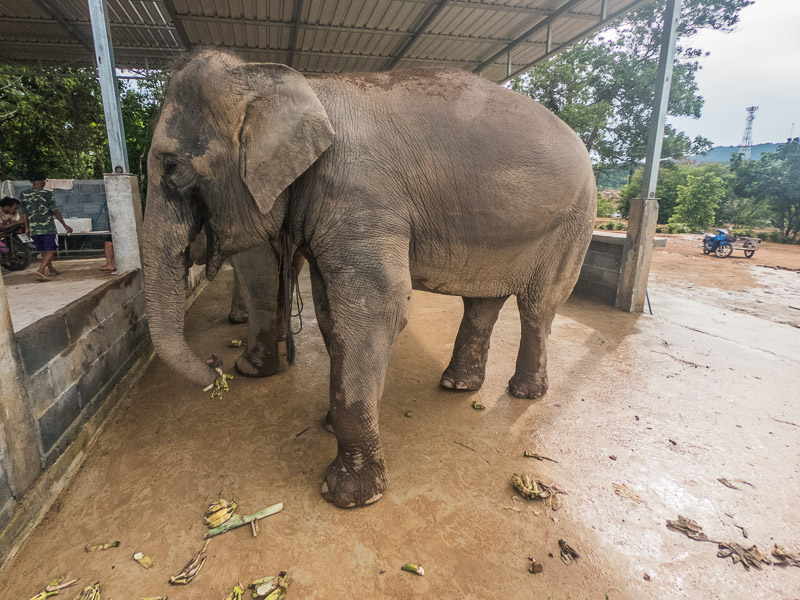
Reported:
(39, 208)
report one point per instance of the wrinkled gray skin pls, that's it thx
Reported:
(437, 181)
(257, 300)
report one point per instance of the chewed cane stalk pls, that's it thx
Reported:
(220, 384)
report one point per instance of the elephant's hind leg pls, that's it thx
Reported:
(367, 311)
(467, 367)
(536, 318)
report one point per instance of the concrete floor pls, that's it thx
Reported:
(29, 300)
(695, 393)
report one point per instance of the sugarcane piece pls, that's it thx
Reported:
(143, 560)
(192, 568)
(98, 547)
(254, 527)
(413, 568)
(263, 580)
(236, 593)
(239, 520)
(59, 584)
(43, 595)
(219, 512)
(236, 344)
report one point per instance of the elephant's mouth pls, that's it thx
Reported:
(214, 257)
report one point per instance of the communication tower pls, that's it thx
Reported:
(747, 138)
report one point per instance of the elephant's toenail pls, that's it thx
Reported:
(324, 487)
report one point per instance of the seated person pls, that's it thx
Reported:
(9, 215)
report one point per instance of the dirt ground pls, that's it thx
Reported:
(706, 388)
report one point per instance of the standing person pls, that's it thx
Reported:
(39, 208)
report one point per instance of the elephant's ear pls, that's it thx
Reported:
(284, 130)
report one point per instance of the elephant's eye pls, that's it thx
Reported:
(178, 173)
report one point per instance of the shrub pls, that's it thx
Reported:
(619, 226)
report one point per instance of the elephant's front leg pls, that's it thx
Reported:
(238, 313)
(365, 320)
(257, 272)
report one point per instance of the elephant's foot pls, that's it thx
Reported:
(527, 387)
(354, 480)
(250, 366)
(236, 317)
(456, 379)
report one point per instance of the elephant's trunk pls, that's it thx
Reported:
(166, 269)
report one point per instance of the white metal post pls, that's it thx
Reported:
(638, 250)
(104, 54)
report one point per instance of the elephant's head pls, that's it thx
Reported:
(230, 139)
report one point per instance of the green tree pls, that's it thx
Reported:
(698, 200)
(603, 88)
(774, 181)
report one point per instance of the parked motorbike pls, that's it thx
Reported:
(16, 249)
(719, 244)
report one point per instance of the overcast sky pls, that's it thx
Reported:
(756, 65)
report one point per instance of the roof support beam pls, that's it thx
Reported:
(179, 28)
(297, 10)
(638, 250)
(69, 27)
(543, 23)
(521, 10)
(104, 55)
(420, 30)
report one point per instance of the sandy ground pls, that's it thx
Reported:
(663, 404)
(29, 300)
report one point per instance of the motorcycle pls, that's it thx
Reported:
(719, 244)
(16, 249)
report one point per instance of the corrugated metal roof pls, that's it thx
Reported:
(313, 36)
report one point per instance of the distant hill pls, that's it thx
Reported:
(722, 154)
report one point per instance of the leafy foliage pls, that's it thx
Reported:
(774, 181)
(604, 88)
(698, 200)
(55, 122)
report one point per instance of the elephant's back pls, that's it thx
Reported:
(486, 176)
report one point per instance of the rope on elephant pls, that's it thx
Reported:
(291, 289)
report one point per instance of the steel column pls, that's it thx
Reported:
(638, 250)
(104, 54)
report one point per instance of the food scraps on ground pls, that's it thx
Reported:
(274, 587)
(239, 520)
(236, 593)
(785, 558)
(623, 491)
(219, 512)
(530, 488)
(219, 385)
(90, 592)
(568, 553)
(535, 567)
(143, 560)
(529, 454)
(192, 568)
(154, 598)
(56, 585)
(413, 568)
(612, 457)
(236, 344)
(689, 528)
(749, 557)
(477, 405)
(98, 547)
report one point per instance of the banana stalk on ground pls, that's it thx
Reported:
(98, 547)
(413, 568)
(90, 592)
(192, 568)
(529, 488)
(239, 520)
(143, 560)
(219, 512)
(55, 586)
(271, 588)
(237, 593)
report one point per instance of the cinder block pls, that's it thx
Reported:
(58, 418)
(42, 340)
(603, 260)
(598, 275)
(93, 380)
(604, 248)
(87, 312)
(596, 291)
(40, 391)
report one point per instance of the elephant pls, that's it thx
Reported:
(258, 300)
(426, 179)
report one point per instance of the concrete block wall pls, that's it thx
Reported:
(86, 199)
(601, 268)
(74, 358)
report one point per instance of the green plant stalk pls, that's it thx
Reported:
(238, 520)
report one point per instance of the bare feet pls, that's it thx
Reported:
(107, 268)
(41, 277)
